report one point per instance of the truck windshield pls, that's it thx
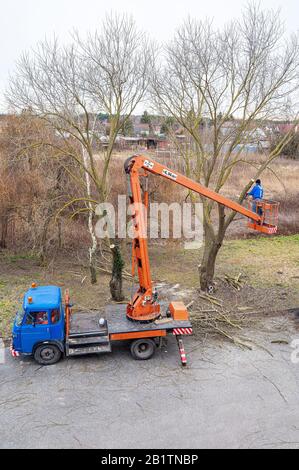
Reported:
(19, 317)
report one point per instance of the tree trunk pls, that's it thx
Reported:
(92, 267)
(43, 241)
(116, 279)
(93, 249)
(59, 234)
(211, 249)
(207, 269)
(4, 231)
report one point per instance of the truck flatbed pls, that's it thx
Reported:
(90, 334)
(85, 322)
(117, 322)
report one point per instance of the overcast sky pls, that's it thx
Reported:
(25, 22)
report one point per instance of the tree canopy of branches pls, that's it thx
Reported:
(104, 74)
(249, 70)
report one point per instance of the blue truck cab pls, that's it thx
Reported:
(39, 327)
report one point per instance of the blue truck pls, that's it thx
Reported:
(47, 328)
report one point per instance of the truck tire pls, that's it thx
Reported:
(47, 354)
(143, 349)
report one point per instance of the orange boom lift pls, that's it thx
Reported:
(144, 305)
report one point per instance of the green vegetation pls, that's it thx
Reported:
(265, 261)
(13, 258)
(145, 118)
(8, 307)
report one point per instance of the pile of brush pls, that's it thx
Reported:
(209, 316)
(235, 281)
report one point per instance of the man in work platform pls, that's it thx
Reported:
(257, 194)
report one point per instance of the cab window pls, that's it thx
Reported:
(55, 315)
(19, 317)
(37, 318)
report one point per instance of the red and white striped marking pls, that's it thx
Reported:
(182, 331)
(13, 352)
(182, 352)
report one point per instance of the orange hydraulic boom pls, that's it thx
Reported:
(144, 305)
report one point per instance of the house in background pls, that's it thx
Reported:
(284, 128)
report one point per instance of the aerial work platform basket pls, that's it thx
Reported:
(268, 212)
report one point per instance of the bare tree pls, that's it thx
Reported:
(48, 83)
(68, 86)
(222, 86)
(118, 60)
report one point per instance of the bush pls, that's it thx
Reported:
(291, 150)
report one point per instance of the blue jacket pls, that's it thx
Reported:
(257, 192)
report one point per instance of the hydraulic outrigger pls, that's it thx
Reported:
(47, 331)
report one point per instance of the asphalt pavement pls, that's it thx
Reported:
(225, 398)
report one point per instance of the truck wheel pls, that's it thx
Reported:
(47, 354)
(142, 349)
